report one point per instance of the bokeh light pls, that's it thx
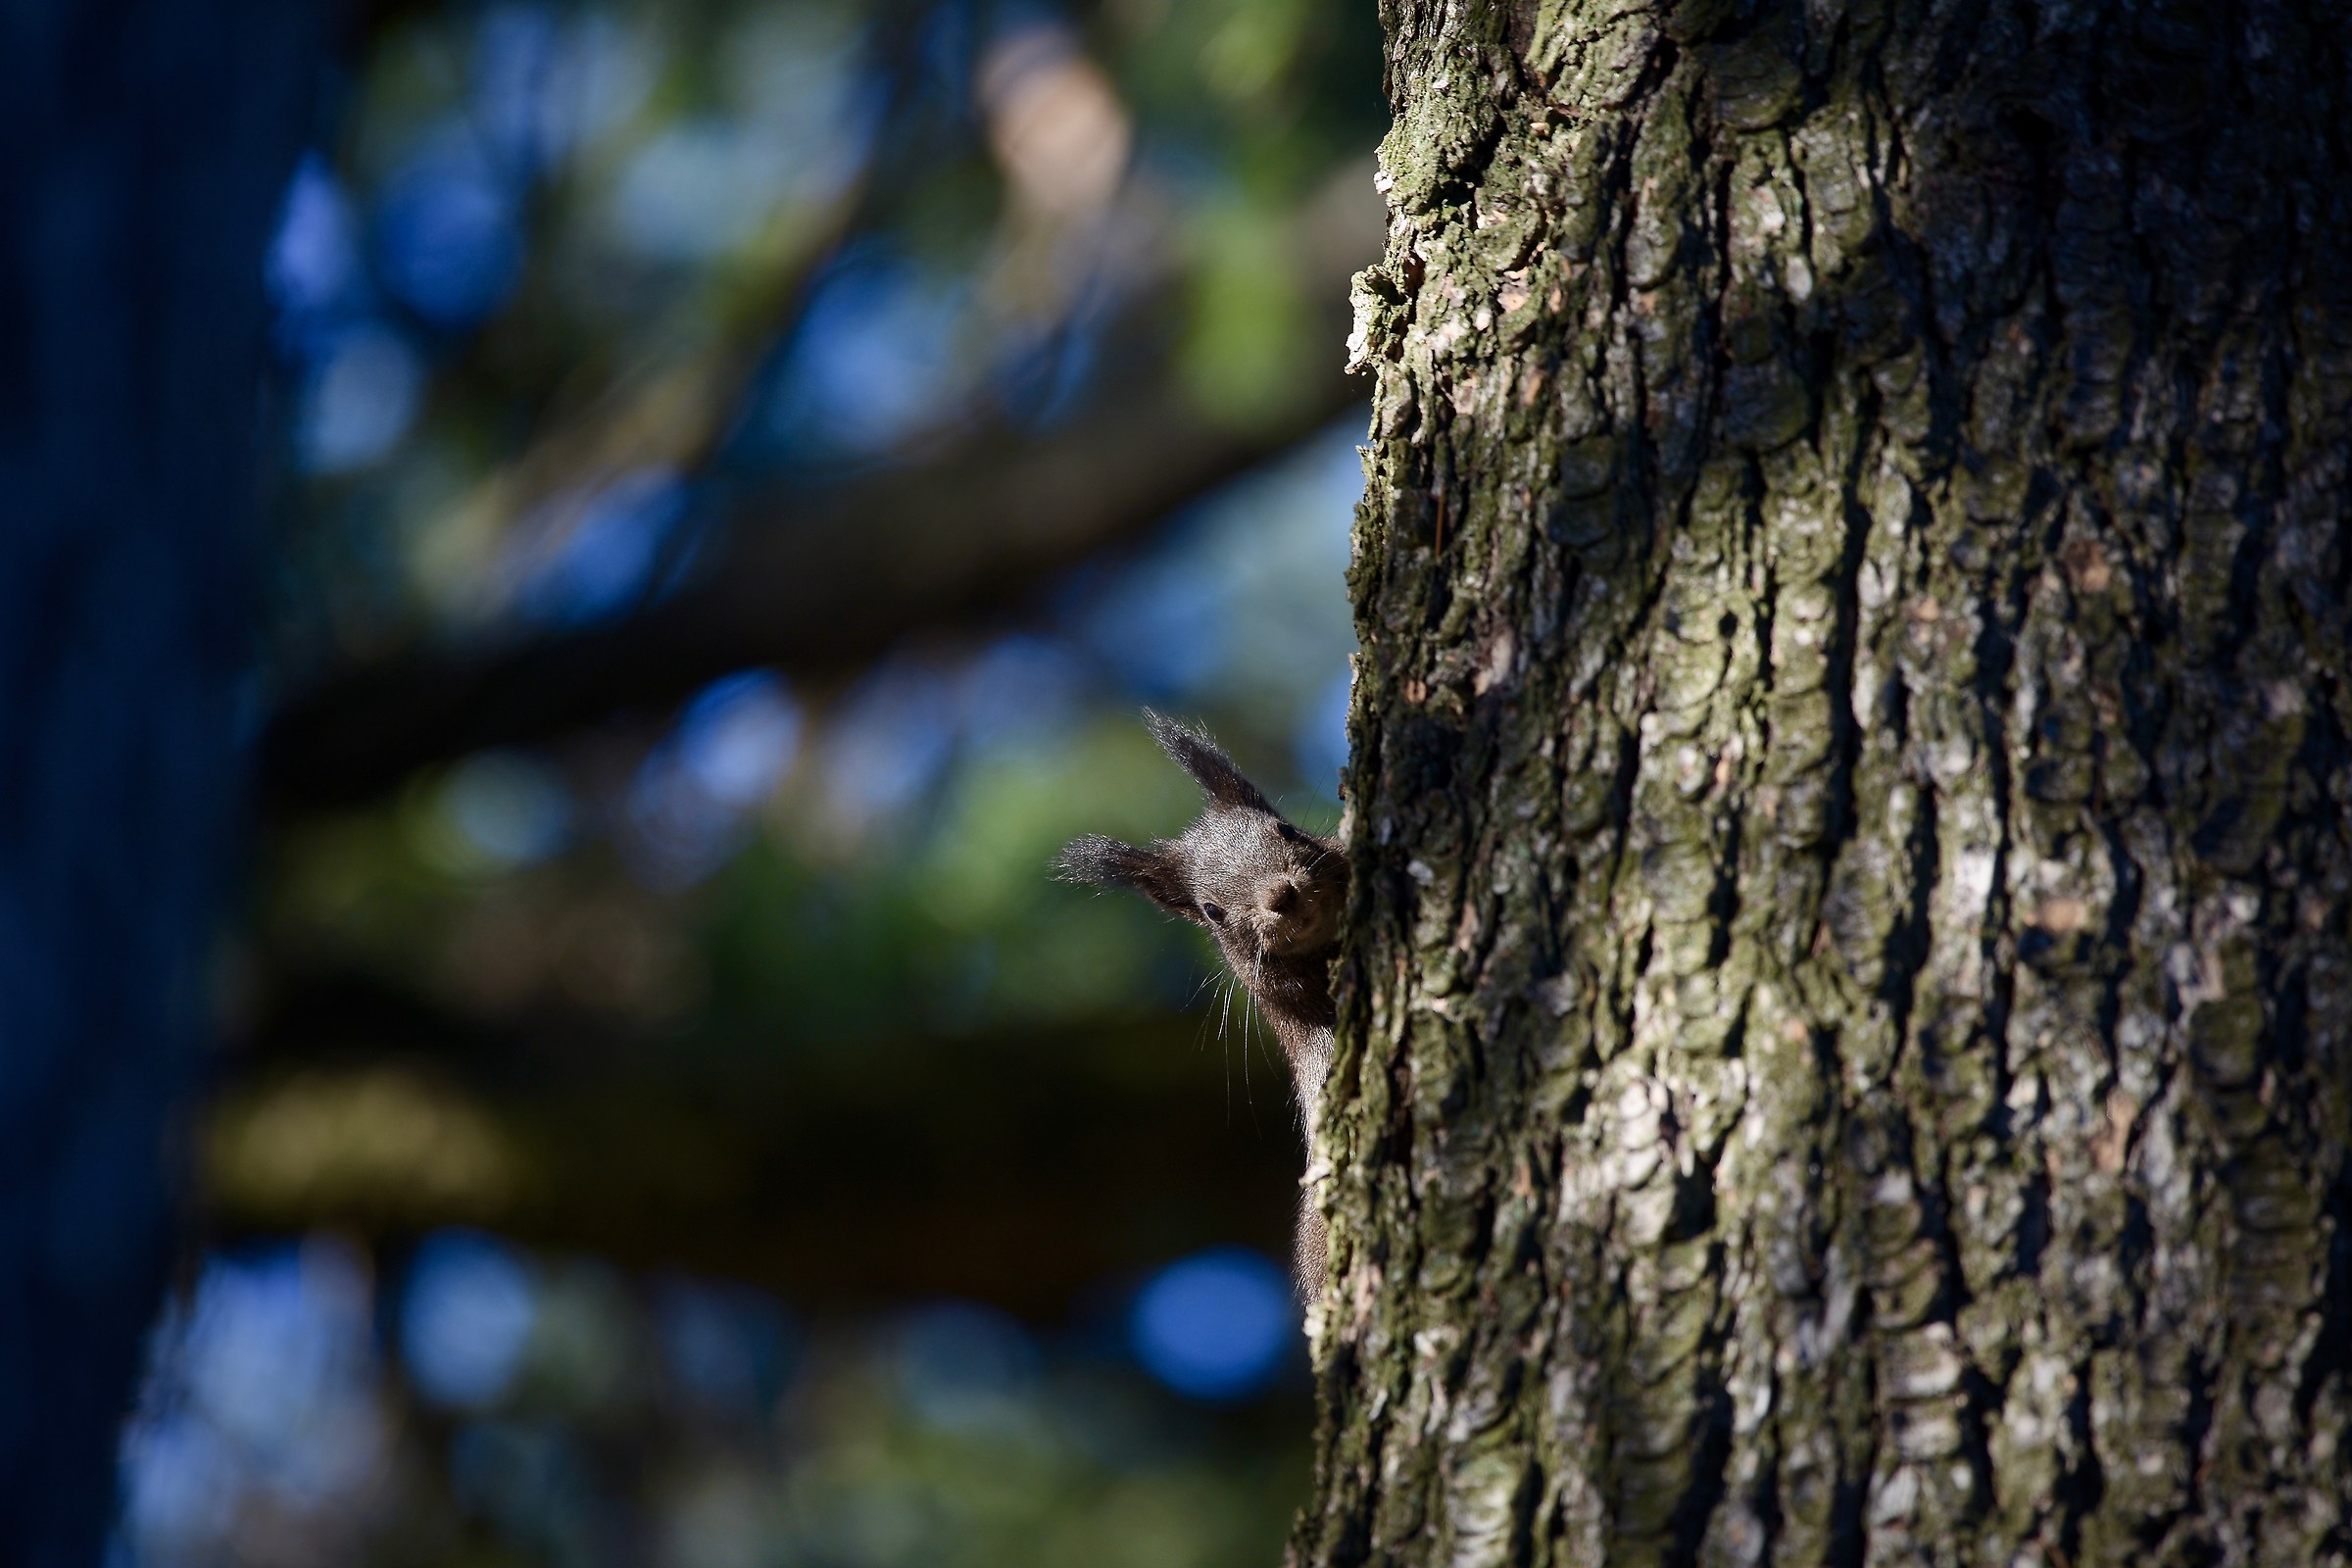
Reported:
(1217, 1325)
(465, 1318)
(266, 1402)
(360, 398)
(729, 1350)
(688, 805)
(1053, 121)
(737, 737)
(314, 268)
(448, 239)
(875, 361)
(503, 808)
(962, 1365)
(585, 556)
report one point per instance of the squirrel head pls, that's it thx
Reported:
(1270, 892)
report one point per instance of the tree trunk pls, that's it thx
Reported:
(1842, 1052)
(143, 149)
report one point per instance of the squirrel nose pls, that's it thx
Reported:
(1281, 897)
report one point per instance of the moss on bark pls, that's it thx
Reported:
(1842, 1054)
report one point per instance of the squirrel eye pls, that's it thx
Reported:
(1215, 913)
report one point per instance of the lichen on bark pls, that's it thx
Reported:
(1843, 1045)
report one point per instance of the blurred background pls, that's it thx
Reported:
(744, 463)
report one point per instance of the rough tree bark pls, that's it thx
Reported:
(1842, 1054)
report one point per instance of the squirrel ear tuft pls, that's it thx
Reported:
(1108, 862)
(1209, 766)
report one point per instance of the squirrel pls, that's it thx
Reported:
(1271, 895)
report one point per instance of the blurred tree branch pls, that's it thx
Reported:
(818, 582)
(962, 1170)
(670, 404)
